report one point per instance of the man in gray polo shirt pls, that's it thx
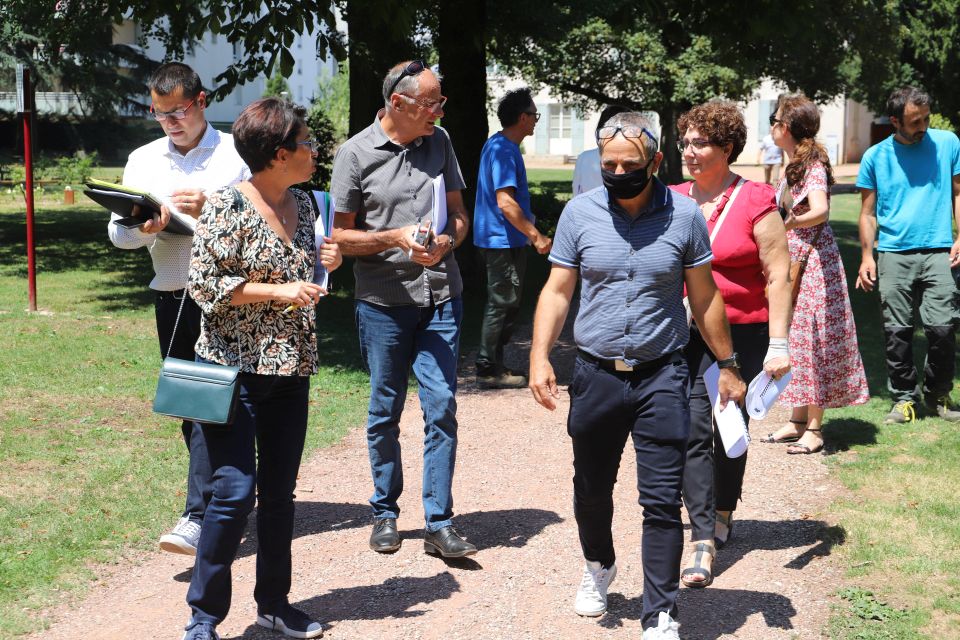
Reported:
(408, 307)
(635, 244)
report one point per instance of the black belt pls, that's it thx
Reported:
(619, 366)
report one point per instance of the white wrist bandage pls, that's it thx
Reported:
(778, 347)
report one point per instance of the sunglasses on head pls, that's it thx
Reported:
(415, 68)
(627, 130)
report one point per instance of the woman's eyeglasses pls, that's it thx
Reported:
(774, 120)
(696, 143)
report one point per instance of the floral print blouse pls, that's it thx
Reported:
(233, 244)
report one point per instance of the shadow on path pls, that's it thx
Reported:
(754, 535)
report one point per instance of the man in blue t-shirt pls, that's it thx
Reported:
(503, 225)
(910, 188)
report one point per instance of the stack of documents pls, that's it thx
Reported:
(122, 201)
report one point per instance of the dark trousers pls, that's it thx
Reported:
(918, 280)
(166, 306)
(256, 457)
(711, 480)
(650, 405)
(505, 269)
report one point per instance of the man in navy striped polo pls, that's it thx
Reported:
(635, 244)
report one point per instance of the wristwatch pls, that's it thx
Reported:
(729, 363)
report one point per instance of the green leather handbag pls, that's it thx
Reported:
(199, 391)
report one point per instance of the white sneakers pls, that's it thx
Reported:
(592, 594)
(667, 629)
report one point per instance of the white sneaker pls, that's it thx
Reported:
(182, 539)
(592, 595)
(667, 629)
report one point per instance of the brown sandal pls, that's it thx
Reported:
(802, 449)
(771, 438)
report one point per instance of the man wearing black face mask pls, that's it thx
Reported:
(635, 245)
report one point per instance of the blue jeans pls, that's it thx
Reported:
(256, 457)
(391, 339)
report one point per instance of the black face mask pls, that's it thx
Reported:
(624, 186)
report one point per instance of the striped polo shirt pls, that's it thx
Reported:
(389, 186)
(631, 271)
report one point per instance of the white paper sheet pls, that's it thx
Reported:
(729, 420)
(763, 393)
(439, 205)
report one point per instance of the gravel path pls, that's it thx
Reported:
(513, 497)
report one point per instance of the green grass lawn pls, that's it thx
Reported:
(90, 472)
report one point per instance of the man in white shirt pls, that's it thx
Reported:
(191, 160)
(586, 173)
(771, 157)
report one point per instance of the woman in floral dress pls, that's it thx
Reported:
(827, 369)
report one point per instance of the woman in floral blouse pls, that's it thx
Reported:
(251, 273)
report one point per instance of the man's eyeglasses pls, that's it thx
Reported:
(434, 106)
(774, 120)
(535, 114)
(696, 143)
(628, 130)
(313, 145)
(415, 68)
(178, 114)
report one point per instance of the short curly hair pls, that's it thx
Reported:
(720, 122)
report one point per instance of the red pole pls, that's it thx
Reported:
(28, 166)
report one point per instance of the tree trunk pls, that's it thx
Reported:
(376, 44)
(461, 43)
(671, 170)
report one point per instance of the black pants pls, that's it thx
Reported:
(199, 475)
(652, 406)
(711, 480)
(505, 269)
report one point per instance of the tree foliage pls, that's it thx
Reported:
(276, 85)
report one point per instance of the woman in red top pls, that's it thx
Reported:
(750, 256)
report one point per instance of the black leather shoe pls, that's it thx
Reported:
(447, 543)
(384, 538)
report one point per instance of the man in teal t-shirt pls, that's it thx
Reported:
(503, 225)
(910, 188)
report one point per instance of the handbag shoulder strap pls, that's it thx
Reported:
(726, 209)
(176, 324)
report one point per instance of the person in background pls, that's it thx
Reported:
(910, 188)
(190, 161)
(771, 157)
(751, 267)
(635, 245)
(586, 173)
(827, 369)
(251, 273)
(503, 226)
(409, 306)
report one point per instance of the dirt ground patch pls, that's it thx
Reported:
(513, 499)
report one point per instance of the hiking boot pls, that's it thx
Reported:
(506, 379)
(290, 622)
(901, 413)
(943, 407)
(592, 595)
(667, 629)
(184, 538)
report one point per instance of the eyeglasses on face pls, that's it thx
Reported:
(177, 114)
(696, 143)
(434, 106)
(535, 114)
(628, 130)
(313, 145)
(774, 120)
(415, 68)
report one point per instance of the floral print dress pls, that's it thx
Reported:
(824, 355)
(233, 244)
